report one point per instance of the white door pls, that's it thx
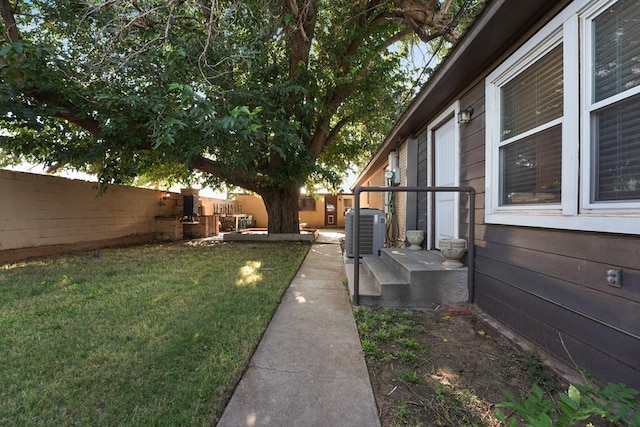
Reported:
(446, 168)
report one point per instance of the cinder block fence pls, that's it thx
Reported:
(42, 214)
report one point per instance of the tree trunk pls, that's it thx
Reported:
(282, 209)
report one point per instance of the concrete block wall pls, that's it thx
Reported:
(252, 204)
(43, 211)
(40, 210)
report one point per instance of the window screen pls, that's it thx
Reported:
(616, 64)
(534, 97)
(530, 167)
(616, 127)
(617, 130)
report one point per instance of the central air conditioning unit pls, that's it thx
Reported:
(373, 229)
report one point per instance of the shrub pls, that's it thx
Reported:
(615, 403)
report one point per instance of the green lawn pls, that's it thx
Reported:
(146, 335)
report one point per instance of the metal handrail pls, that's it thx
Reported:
(355, 299)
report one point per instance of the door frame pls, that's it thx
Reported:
(450, 113)
(330, 199)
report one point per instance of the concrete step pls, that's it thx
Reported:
(409, 262)
(368, 287)
(404, 278)
(379, 271)
(380, 275)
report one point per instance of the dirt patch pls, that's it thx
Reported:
(429, 368)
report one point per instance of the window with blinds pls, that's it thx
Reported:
(534, 97)
(563, 123)
(616, 46)
(532, 168)
(616, 121)
(531, 105)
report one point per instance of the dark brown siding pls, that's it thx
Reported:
(472, 157)
(549, 285)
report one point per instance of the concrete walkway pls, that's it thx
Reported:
(308, 369)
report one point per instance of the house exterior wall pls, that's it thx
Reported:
(374, 200)
(314, 218)
(401, 198)
(550, 285)
(545, 283)
(423, 180)
(345, 202)
(252, 204)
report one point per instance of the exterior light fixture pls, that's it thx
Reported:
(464, 116)
(165, 195)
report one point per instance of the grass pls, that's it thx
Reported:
(147, 335)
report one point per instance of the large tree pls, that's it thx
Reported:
(259, 94)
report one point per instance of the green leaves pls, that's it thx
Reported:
(5, 49)
(615, 402)
(270, 94)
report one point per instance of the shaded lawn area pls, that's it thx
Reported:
(147, 335)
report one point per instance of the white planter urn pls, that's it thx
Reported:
(415, 238)
(453, 250)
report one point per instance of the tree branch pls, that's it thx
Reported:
(12, 34)
(238, 178)
(323, 134)
(396, 38)
(333, 133)
(419, 16)
(69, 112)
(319, 139)
(301, 32)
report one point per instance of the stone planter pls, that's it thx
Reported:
(453, 250)
(415, 238)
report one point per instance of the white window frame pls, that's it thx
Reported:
(587, 108)
(575, 211)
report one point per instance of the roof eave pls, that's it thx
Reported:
(499, 25)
